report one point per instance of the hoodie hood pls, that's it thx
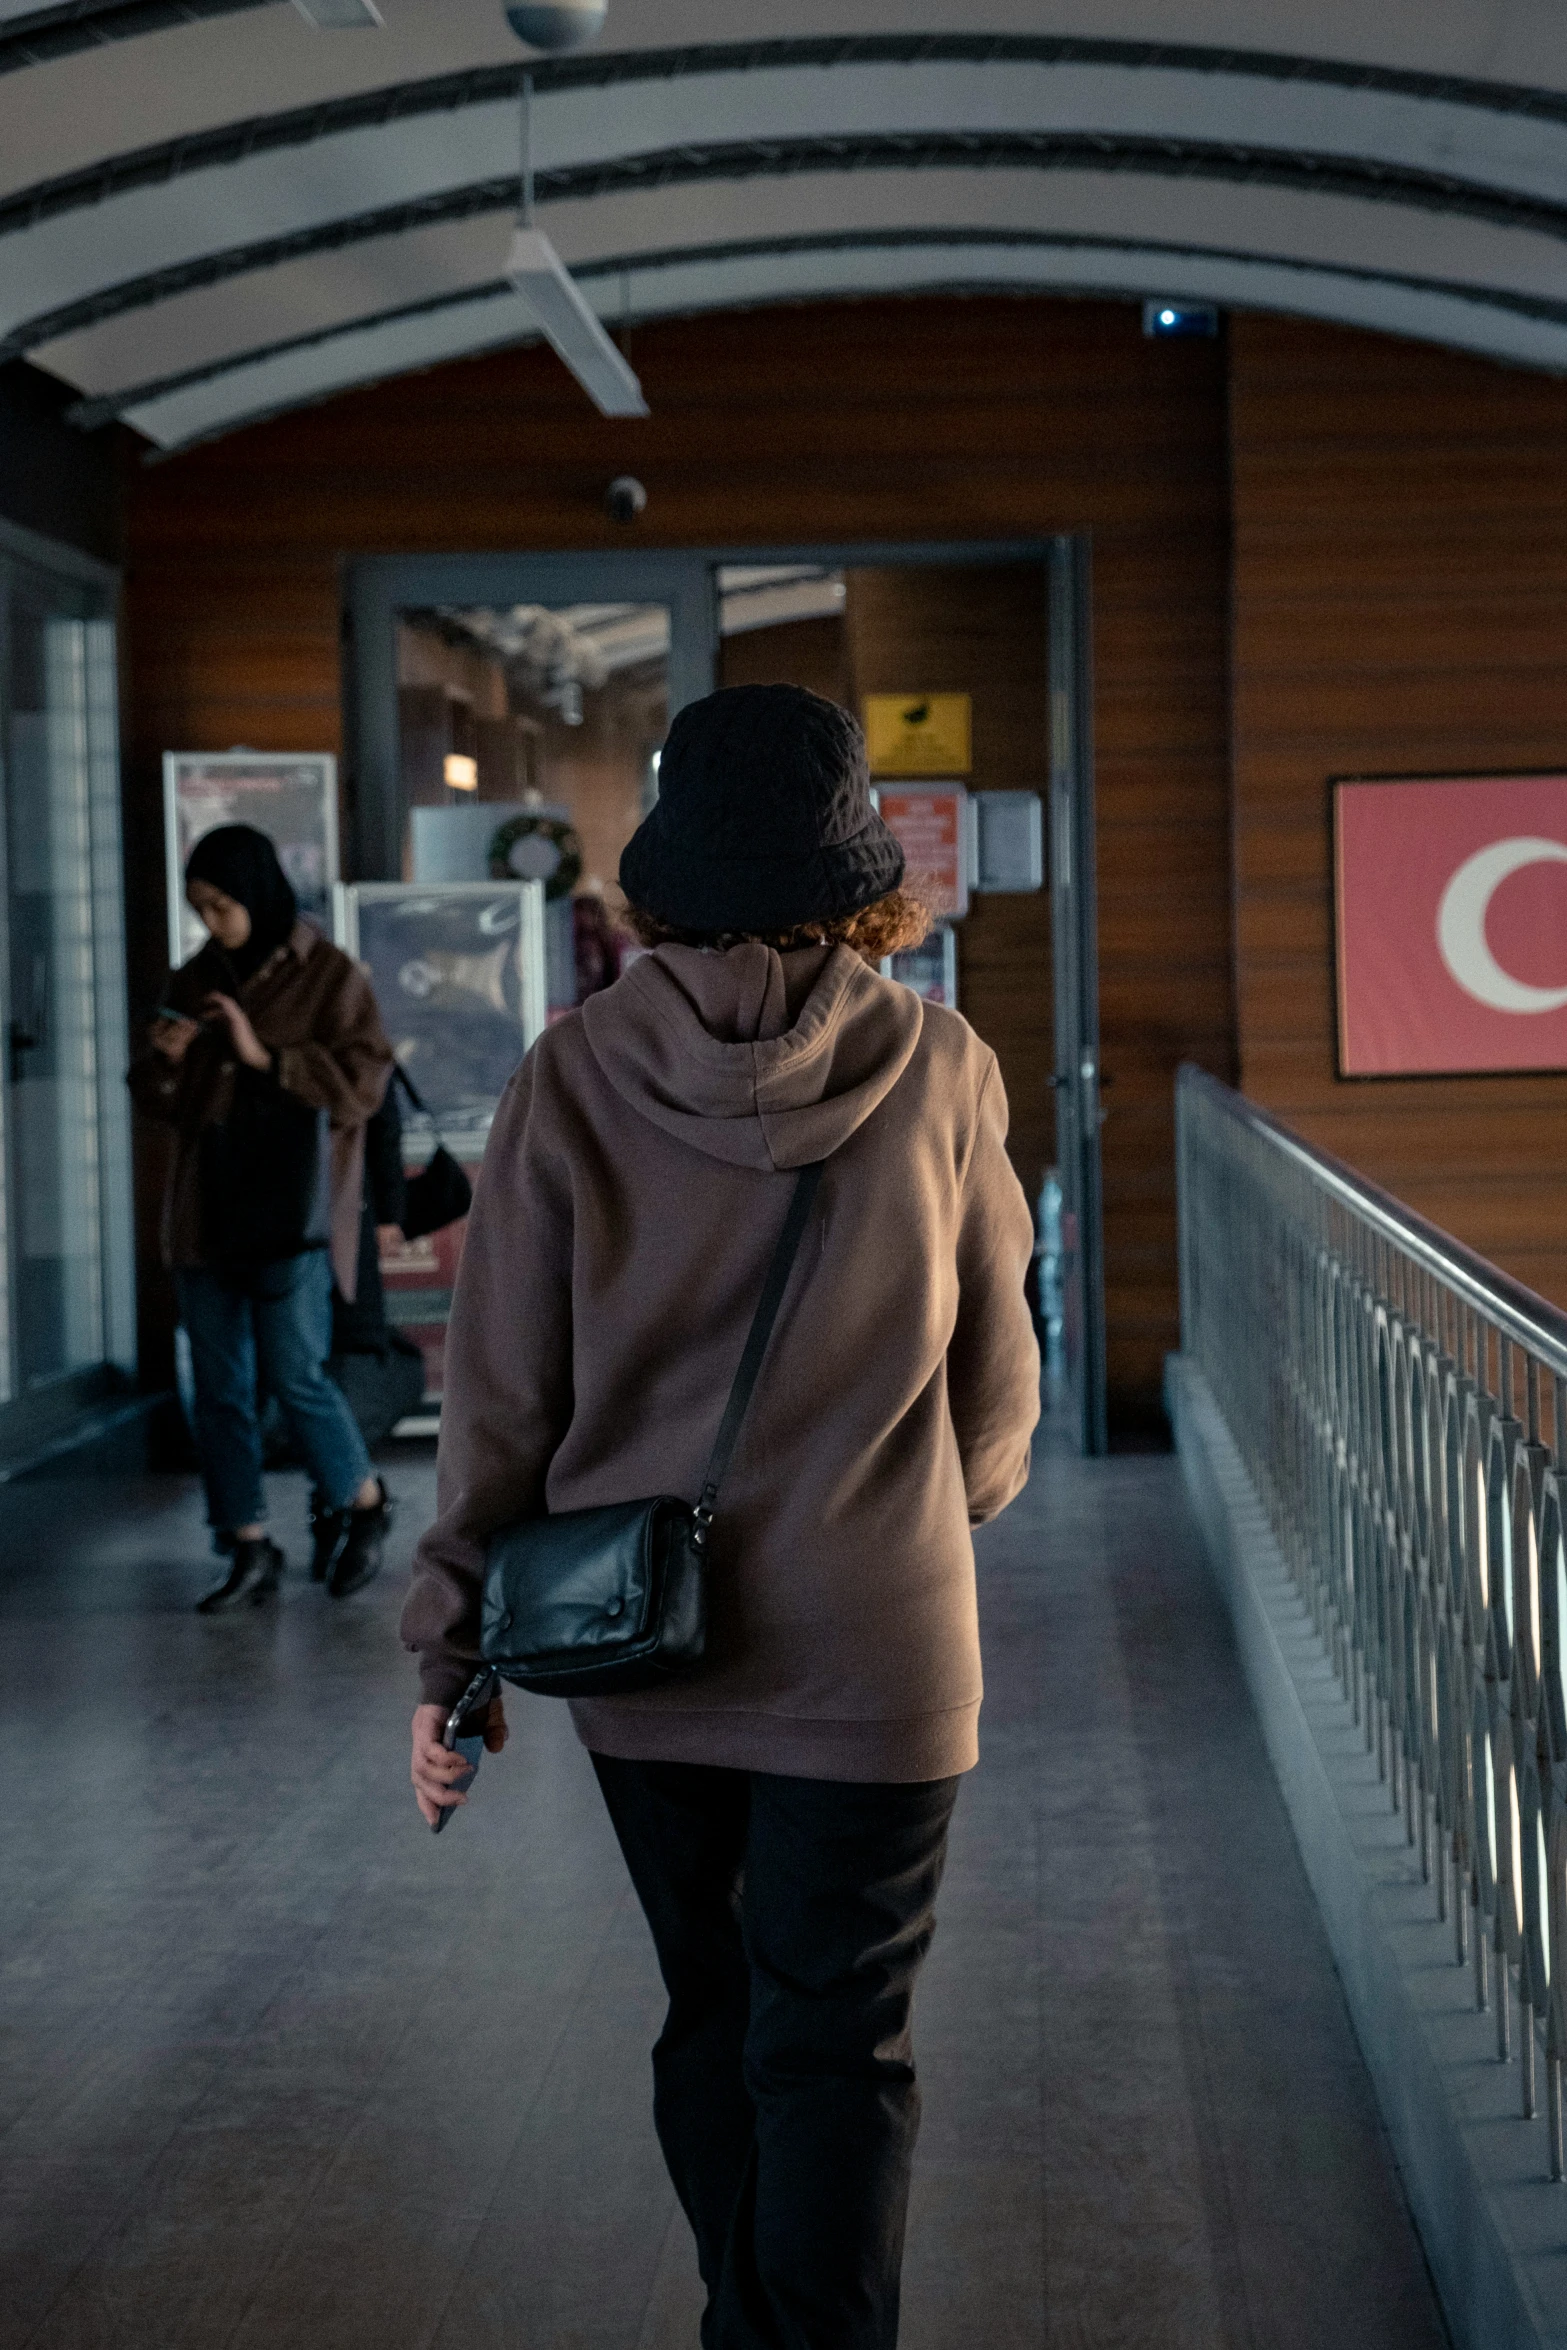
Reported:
(759, 1059)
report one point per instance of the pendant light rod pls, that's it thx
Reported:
(556, 302)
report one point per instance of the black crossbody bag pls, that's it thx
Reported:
(594, 1602)
(440, 1194)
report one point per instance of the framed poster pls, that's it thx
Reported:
(458, 972)
(930, 969)
(290, 796)
(1450, 898)
(933, 824)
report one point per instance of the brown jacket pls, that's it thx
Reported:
(630, 1198)
(313, 1007)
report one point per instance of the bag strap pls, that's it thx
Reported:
(401, 1077)
(756, 1344)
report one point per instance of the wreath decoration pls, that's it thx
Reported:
(553, 829)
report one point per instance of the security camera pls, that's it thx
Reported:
(625, 498)
(557, 24)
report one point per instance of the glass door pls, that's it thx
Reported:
(67, 1258)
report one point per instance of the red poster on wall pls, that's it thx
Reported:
(1451, 901)
(930, 822)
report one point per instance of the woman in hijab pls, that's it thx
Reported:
(267, 1057)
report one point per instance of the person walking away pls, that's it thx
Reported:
(267, 1058)
(783, 1810)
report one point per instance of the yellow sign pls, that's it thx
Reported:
(918, 734)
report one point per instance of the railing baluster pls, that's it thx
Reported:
(1345, 1342)
(1526, 2057)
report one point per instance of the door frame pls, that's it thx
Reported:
(27, 1420)
(1078, 1081)
(376, 588)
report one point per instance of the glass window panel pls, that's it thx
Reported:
(529, 744)
(55, 1163)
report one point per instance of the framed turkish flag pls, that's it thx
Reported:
(1450, 895)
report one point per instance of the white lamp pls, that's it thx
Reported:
(560, 310)
(557, 24)
(566, 320)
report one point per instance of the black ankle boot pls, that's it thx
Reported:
(359, 1560)
(254, 1574)
(328, 1533)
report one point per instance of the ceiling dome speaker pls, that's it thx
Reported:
(557, 24)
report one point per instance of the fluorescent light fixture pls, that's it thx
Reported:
(566, 320)
(338, 16)
(460, 773)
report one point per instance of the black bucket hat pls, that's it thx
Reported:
(764, 818)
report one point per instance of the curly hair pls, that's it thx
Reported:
(884, 928)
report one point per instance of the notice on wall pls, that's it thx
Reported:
(919, 734)
(1010, 826)
(931, 968)
(931, 825)
(1451, 902)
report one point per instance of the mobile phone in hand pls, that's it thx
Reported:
(464, 1735)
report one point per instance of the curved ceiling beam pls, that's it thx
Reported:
(49, 33)
(1494, 58)
(1230, 163)
(61, 252)
(208, 325)
(1410, 131)
(44, 35)
(625, 290)
(691, 282)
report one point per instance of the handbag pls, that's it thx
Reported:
(440, 1194)
(594, 1602)
(381, 1387)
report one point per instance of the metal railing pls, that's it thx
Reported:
(1401, 1407)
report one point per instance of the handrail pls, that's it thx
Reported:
(1401, 1409)
(1526, 1317)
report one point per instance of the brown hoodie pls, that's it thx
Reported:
(629, 1201)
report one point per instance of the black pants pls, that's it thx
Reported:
(790, 1918)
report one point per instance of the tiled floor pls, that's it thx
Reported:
(279, 2069)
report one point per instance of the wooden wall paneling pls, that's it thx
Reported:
(941, 419)
(1400, 595)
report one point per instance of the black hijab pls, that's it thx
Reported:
(242, 862)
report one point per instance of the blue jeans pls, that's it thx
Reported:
(277, 1316)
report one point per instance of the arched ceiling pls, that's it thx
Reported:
(210, 211)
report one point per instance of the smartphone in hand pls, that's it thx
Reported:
(464, 1735)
